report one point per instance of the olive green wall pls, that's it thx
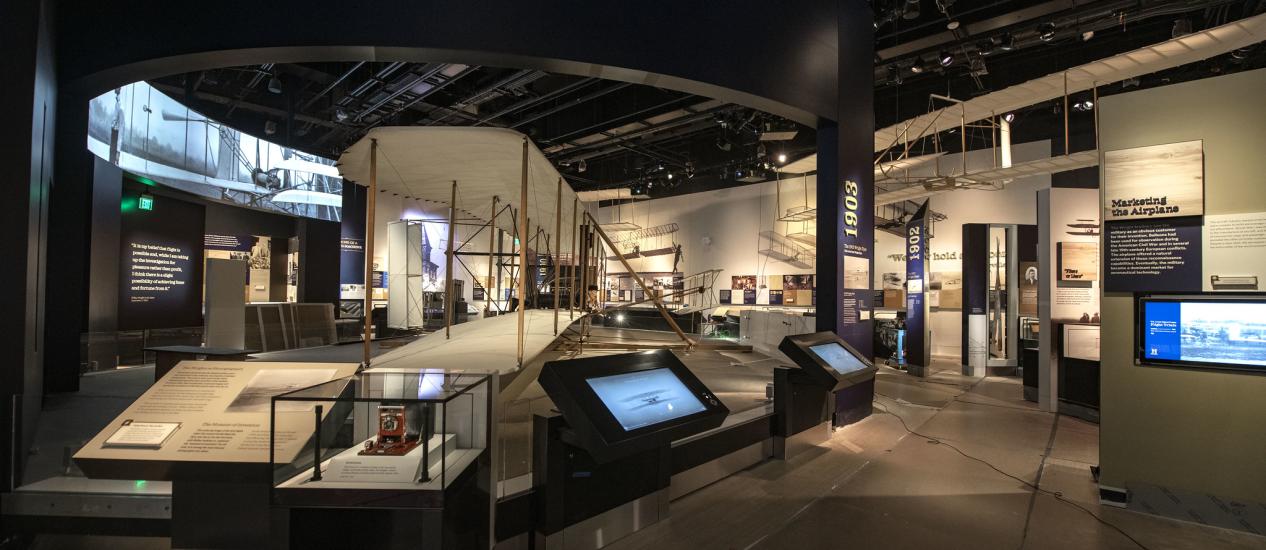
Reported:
(1200, 431)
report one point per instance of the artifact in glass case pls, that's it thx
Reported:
(392, 439)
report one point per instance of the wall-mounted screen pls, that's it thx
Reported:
(838, 358)
(643, 398)
(144, 131)
(1203, 332)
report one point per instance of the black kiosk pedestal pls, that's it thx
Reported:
(834, 383)
(605, 464)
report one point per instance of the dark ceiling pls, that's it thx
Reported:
(603, 133)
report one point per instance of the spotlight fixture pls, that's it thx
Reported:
(911, 10)
(917, 67)
(1182, 27)
(782, 158)
(1240, 54)
(274, 84)
(985, 47)
(1083, 106)
(340, 114)
(952, 25)
(894, 75)
(1009, 117)
(1006, 42)
(761, 150)
(723, 144)
(670, 176)
(1046, 31)
(270, 127)
(581, 166)
(1086, 36)
(946, 58)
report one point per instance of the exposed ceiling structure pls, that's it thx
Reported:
(603, 134)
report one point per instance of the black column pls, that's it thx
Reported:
(28, 119)
(846, 189)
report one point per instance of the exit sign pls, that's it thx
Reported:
(146, 202)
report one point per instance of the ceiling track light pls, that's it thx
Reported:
(1046, 31)
(1009, 117)
(581, 166)
(946, 58)
(1006, 42)
(274, 84)
(917, 67)
(1182, 27)
(911, 10)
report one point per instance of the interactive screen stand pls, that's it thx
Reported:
(618, 405)
(827, 359)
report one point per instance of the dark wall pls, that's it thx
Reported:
(223, 219)
(777, 56)
(28, 119)
(319, 260)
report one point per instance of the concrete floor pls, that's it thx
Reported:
(875, 485)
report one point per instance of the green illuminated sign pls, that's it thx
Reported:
(146, 202)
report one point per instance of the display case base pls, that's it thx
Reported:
(610, 526)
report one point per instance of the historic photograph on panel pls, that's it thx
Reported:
(743, 282)
(258, 393)
(1078, 261)
(1157, 181)
(797, 282)
(856, 272)
(945, 289)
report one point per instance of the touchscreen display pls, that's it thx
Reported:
(1228, 333)
(838, 358)
(643, 398)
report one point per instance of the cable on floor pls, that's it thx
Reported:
(1059, 496)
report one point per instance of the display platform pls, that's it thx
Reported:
(209, 420)
(489, 344)
(619, 405)
(828, 359)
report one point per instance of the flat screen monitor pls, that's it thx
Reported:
(838, 358)
(617, 405)
(827, 360)
(1203, 331)
(643, 398)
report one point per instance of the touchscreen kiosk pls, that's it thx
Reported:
(1203, 331)
(618, 405)
(827, 359)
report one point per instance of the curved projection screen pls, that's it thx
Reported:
(640, 399)
(1211, 333)
(838, 358)
(147, 133)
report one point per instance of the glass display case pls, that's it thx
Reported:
(384, 436)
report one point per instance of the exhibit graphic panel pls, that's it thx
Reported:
(1153, 255)
(161, 255)
(1077, 261)
(220, 410)
(1074, 232)
(1234, 252)
(918, 348)
(1205, 332)
(1157, 181)
(1081, 342)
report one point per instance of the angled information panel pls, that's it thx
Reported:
(619, 405)
(205, 419)
(828, 359)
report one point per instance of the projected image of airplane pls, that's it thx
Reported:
(647, 399)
